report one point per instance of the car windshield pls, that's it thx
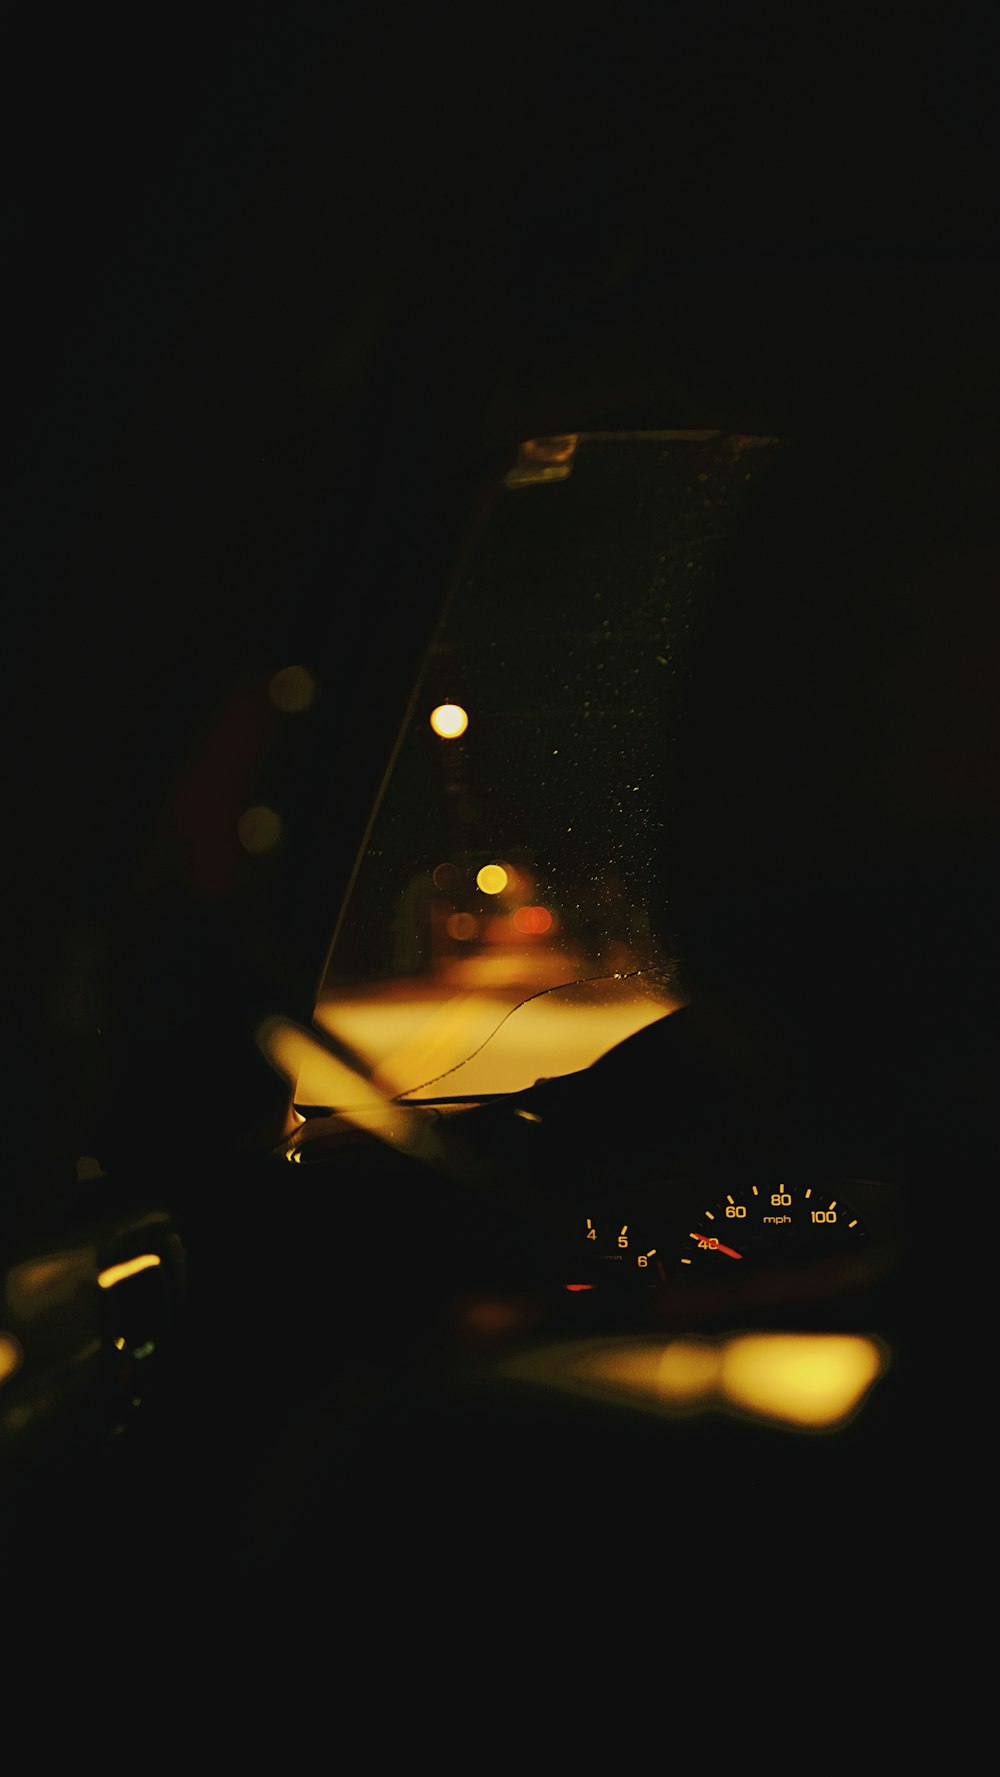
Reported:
(505, 918)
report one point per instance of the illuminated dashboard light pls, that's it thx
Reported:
(532, 921)
(802, 1381)
(492, 879)
(808, 1379)
(131, 1267)
(449, 720)
(688, 1370)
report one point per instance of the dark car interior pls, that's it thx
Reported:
(637, 399)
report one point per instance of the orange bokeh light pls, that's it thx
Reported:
(532, 921)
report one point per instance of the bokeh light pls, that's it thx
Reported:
(446, 878)
(492, 1316)
(803, 1381)
(551, 450)
(260, 829)
(10, 1355)
(449, 720)
(492, 879)
(533, 921)
(462, 926)
(802, 1378)
(293, 689)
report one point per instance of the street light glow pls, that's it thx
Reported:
(449, 720)
(492, 879)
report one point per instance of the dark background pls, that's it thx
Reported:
(285, 292)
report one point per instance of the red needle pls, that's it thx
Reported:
(717, 1247)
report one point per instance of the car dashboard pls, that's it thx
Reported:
(615, 1305)
(547, 1269)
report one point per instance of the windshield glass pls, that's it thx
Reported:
(498, 927)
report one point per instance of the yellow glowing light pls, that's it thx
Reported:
(131, 1267)
(292, 690)
(260, 829)
(807, 1381)
(802, 1378)
(492, 879)
(688, 1370)
(543, 459)
(10, 1355)
(552, 450)
(629, 1367)
(293, 1121)
(680, 1375)
(449, 720)
(292, 1050)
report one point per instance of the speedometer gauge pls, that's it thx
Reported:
(770, 1223)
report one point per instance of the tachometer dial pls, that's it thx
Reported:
(611, 1250)
(771, 1224)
